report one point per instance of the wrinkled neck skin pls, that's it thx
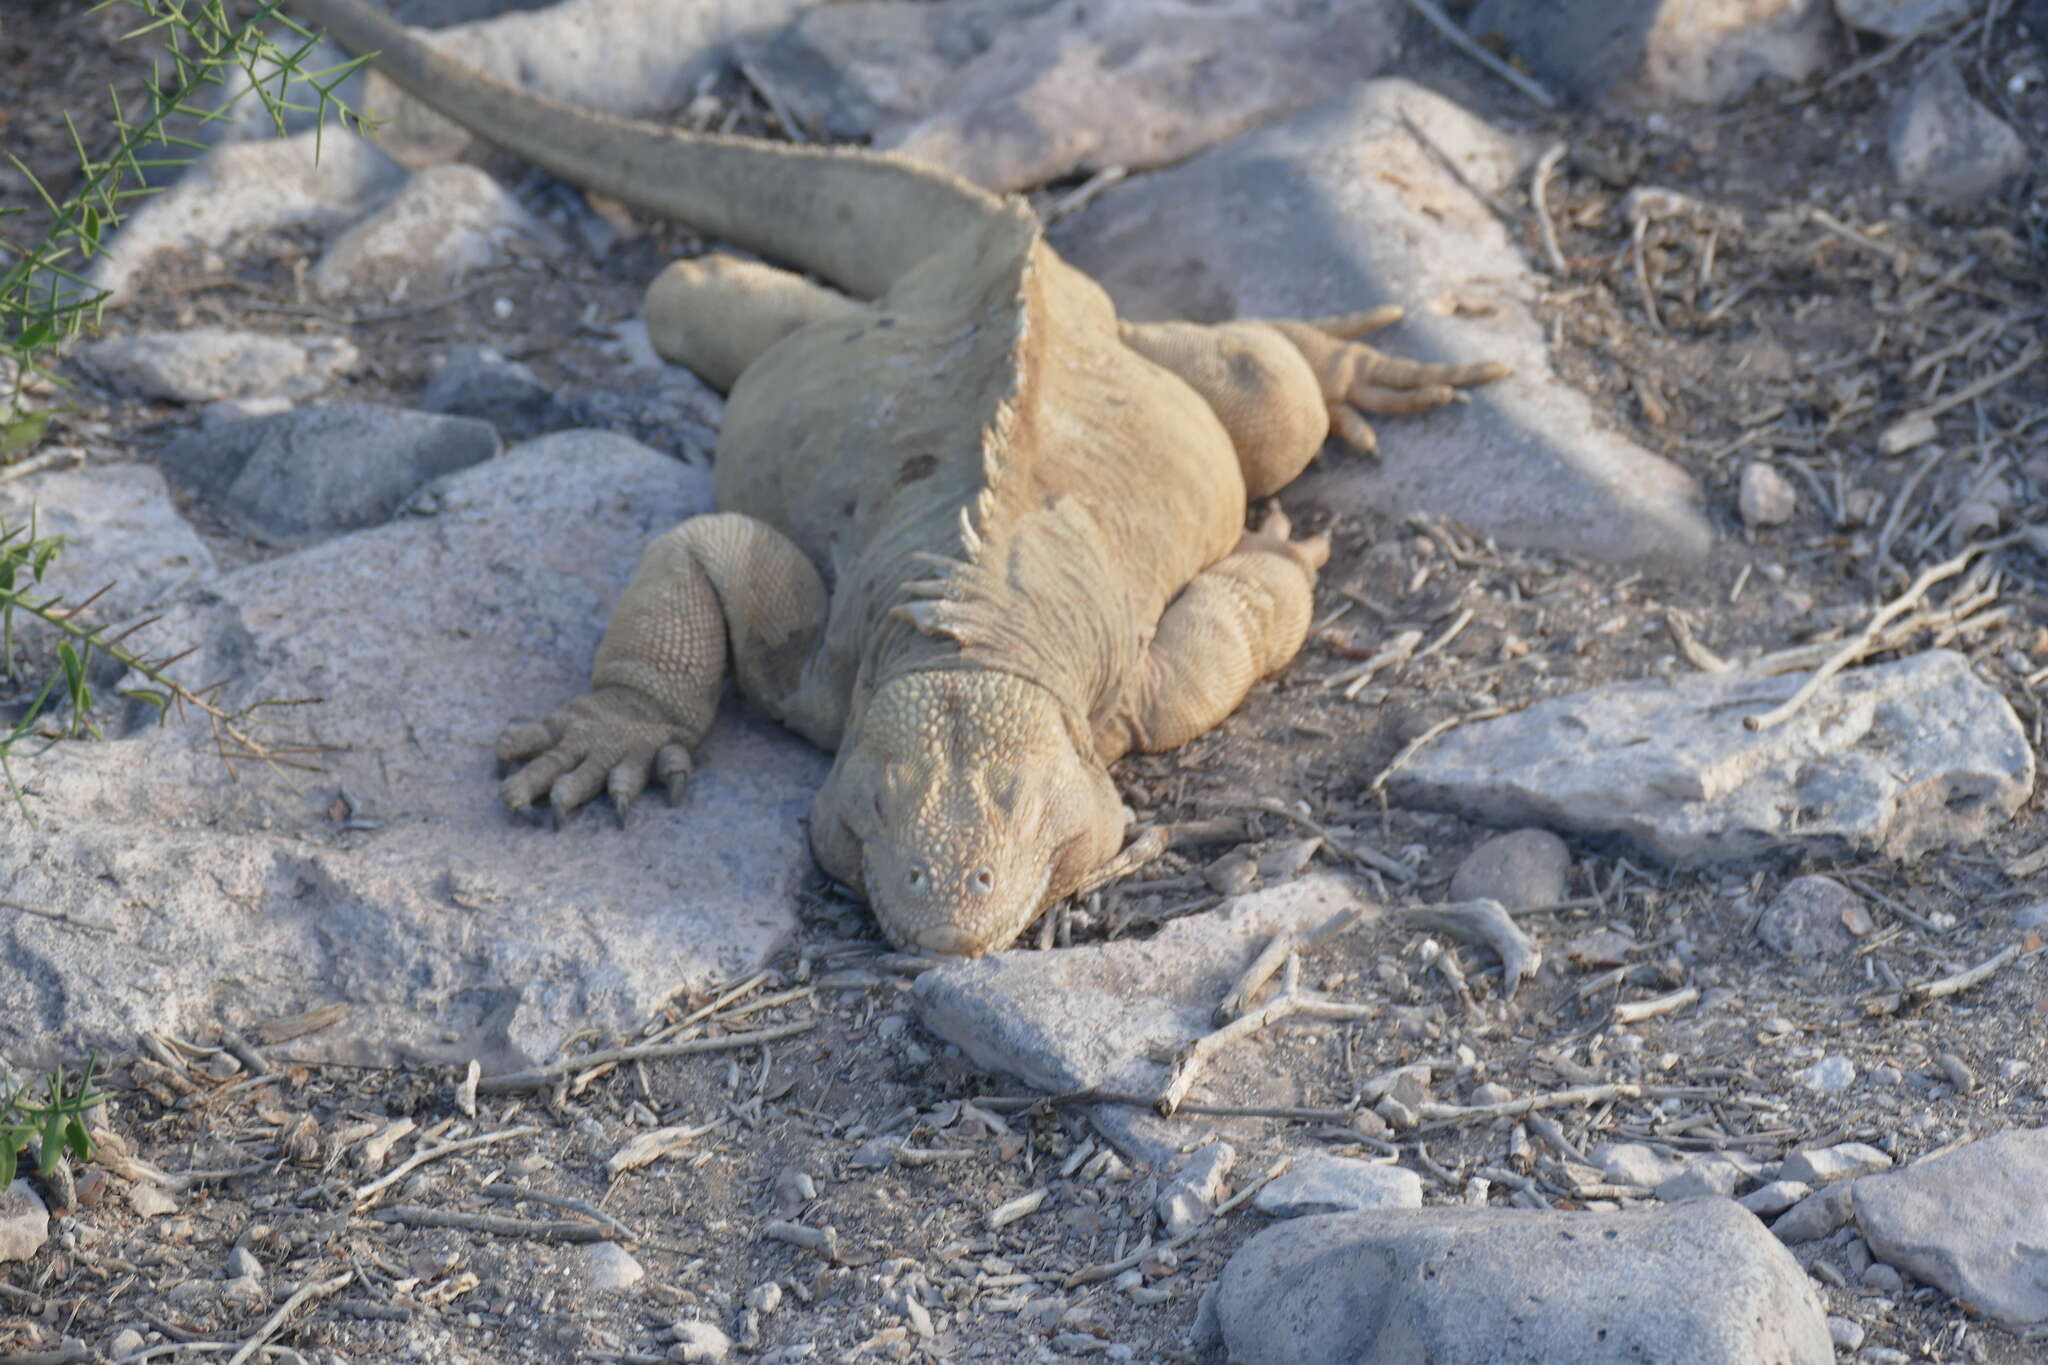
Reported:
(963, 803)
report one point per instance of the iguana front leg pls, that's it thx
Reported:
(1240, 619)
(661, 666)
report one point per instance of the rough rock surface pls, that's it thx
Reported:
(123, 535)
(242, 188)
(24, 1222)
(335, 467)
(392, 880)
(1902, 18)
(1340, 208)
(1974, 1222)
(1814, 916)
(1012, 96)
(1693, 51)
(203, 364)
(1896, 758)
(1317, 1183)
(1454, 1285)
(447, 222)
(1946, 145)
(1081, 1017)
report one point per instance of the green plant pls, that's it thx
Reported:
(44, 296)
(58, 1123)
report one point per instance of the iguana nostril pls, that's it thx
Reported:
(915, 878)
(982, 880)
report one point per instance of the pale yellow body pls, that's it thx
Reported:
(978, 537)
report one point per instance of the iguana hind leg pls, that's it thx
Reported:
(715, 314)
(1240, 619)
(1280, 386)
(660, 669)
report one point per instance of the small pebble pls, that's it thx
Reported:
(126, 1342)
(1883, 1278)
(1847, 1334)
(1765, 497)
(1829, 1075)
(698, 1343)
(1958, 1072)
(607, 1266)
(241, 1262)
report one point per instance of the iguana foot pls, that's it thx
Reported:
(1358, 379)
(611, 740)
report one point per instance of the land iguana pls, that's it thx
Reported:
(978, 537)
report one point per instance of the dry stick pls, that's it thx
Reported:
(502, 1190)
(662, 1035)
(291, 1305)
(1979, 388)
(1288, 1003)
(549, 1230)
(1458, 38)
(1637, 232)
(1488, 924)
(1546, 165)
(1963, 980)
(1635, 1011)
(543, 1077)
(1861, 644)
(1363, 854)
(418, 1159)
(1696, 654)
(1450, 1115)
(1254, 977)
(1136, 854)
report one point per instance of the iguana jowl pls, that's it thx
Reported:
(978, 537)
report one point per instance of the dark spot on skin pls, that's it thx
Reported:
(843, 212)
(884, 324)
(847, 509)
(915, 468)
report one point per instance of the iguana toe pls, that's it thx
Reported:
(522, 738)
(672, 765)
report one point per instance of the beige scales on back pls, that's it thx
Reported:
(979, 537)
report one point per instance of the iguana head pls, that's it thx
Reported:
(963, 804)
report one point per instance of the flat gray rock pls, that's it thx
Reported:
(123, 533)
(1902, 18)
(1317, 1183)
(1819, 1166)
(24, 1222)
(1340, 208)
(1015, 95)
(1947, 146)
(393, 881)
(1077, 1018)
(1973, 1222)
(334, 467)
(204, 364)
(1814, 916)
(1896, 758)
(1519, 869)
(1700, 1282)
(446, 223)
(1662, 51)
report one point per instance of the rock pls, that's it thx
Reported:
(476, 381)
(228, 411)
(126, 1342)
(332, 467)
(1765, 497)
(1895, 758)
(202, 364)
(1196, 1189)
(243, 1265)
(1882, 1279)
(24, 1222)
(150, 1201)
(1334, 1184)
(1519, 869)
(1970, 1222)
(1825, 1165)
(1637, 1163)
(1140, 83)
(608, 1267)
(448, 222)
(1703, 1177)
(123, 535)
(1774, 1198)
(1845, 1333)
(1340, 207)
(1815, 1216)
(1699, 1282)
(1947, 146)
(1077, 1018)
(245, 1296)
(700, 1342)
(669, 409)
(1896, 19)
(1662, 51)
(1814, 916)
(392, 881)
(1829, 1075)
(246, 190)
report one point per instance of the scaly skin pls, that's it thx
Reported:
(979, 537)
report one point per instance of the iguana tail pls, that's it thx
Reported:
(859, 218)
